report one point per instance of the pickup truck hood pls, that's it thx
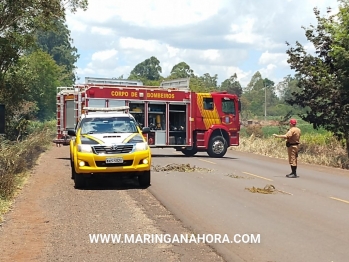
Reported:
(108, 138)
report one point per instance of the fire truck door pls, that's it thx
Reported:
(230, 117)
(208, 115)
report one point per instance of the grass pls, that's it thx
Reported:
(317, 146)
(17, 158)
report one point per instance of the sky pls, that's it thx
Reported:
(220, 37)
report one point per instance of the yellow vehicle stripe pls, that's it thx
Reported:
(94, 139)
(129, 137)
(210, 117)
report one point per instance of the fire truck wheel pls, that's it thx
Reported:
(217, 147)
(189, 152)
(144, 179)
(79, 181)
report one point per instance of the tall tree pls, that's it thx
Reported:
(323, 76)
(181, 70)
(232, 85)
(149, 69)
(58, 43)
(21, 18)
(209, 81)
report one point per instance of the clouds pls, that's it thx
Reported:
(220, 37)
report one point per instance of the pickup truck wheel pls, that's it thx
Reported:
(72, 169)
(144, 179)
(73, 173)
(217, 147)
(79, 181)
(189, 152)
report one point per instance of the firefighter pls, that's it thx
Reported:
(292, 143)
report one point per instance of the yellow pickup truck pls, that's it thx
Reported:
(109, 142)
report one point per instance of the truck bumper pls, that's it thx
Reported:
(88, 163)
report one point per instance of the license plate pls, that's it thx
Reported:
(114, 160)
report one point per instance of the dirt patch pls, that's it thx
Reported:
(179, 168)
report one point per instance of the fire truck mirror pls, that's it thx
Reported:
(2, 119)
(239, 105)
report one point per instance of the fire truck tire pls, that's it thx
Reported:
(189, 152)
(79, 181)
(144, 179)
(217, 147)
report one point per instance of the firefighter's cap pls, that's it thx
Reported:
(293, 121)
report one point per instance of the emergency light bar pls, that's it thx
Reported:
(106, 109)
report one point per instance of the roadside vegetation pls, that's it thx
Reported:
(319, 147)
(18, 157)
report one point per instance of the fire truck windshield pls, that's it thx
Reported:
(108, 125)
(228, 106)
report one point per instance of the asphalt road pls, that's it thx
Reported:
(307, 219)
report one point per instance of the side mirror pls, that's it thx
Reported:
(71, 132)
(239, 105)
(145, 130)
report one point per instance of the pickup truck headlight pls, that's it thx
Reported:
(141, 146)
(84, 148)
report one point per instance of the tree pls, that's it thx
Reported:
(210, 82)
(149, 69)
(39, 76)
(21, 18)
(232, 86)
(57, 43)
(181, 70)
(323, 76)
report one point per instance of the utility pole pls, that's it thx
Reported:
(265, 103)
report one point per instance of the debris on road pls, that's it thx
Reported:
(179, 168)
(268, 189)
(236, 176)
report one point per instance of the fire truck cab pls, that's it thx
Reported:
(177, 117)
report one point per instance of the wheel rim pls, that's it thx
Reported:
(218, 147)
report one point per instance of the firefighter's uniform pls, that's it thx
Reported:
(293, 136)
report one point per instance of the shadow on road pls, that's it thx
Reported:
(63, 158)
(196, 156)
(111, 183)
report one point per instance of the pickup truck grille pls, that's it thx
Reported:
(119, 149)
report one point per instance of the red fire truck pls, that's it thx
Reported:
(179, 118)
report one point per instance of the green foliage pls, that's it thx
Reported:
(323, 78)
(232, 86)
(40, 74)
(20, 20)
(181, 70)
(148, 69)
(57, 43)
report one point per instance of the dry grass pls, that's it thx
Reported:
(315, 149)
(16, 158)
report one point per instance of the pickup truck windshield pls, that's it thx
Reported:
(108, 125)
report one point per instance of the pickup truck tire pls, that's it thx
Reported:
(79, 181)
(72, 169)
(190, 152)
(144, 179)
(217, 147)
